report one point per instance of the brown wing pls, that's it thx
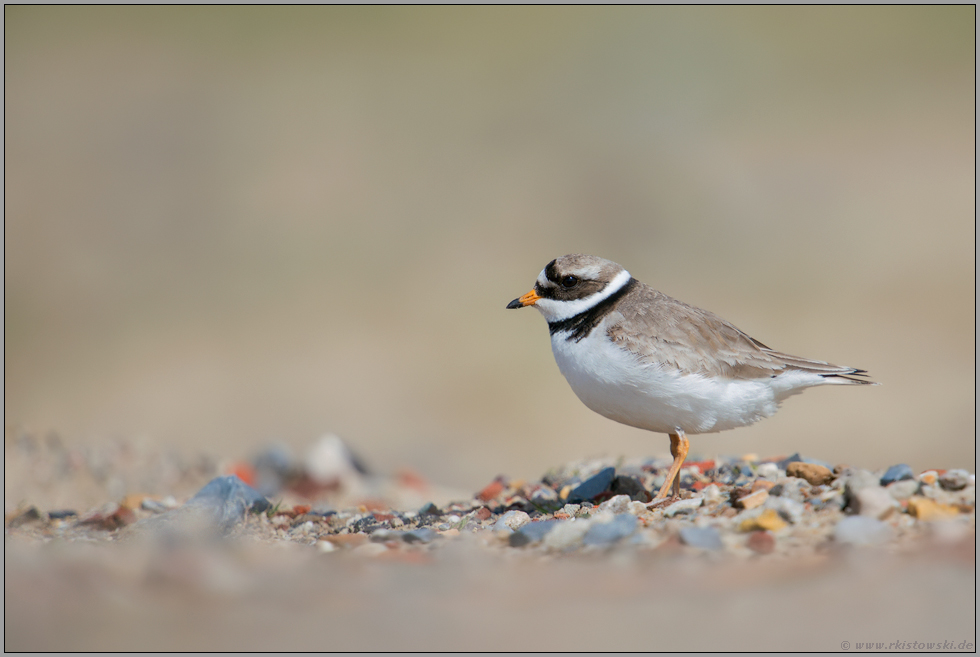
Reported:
(658, 328)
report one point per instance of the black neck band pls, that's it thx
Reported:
(579, 326)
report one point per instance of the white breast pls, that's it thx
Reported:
(615, 383)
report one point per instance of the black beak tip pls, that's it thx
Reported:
(516, 303)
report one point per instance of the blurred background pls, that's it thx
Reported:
(227, 227)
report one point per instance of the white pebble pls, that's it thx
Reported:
(571, 509)
(567, 534)
(618, 504)
(768, 471)
(325, 546)
(512, 520)
(684, 506)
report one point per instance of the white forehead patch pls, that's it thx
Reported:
(555, 310)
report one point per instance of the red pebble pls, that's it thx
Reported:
(244, 471)
(702, 466)
(761, 542)
(492, 490)
(482, 514)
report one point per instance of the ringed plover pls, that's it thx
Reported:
(639, 357)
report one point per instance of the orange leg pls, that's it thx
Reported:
(678, 449)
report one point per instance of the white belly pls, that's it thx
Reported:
(613, 382)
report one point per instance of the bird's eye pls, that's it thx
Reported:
(569, 282)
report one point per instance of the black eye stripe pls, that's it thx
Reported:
(551, 271)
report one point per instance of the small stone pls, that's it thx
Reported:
(571, 510)
(761, 542)
(512, 520)
(420, 535)
(790, 487)
(109, 517)
(690, 505)
(481, 514)
(954, 479)
(325, 546)
(637, 508)
(491, 490)
(17, 519)
(592, 487)
(532, 532)
(618, 504)
(544, 494)
(706, 538)
(922, 508)
(768, 471)
(607, 533)
(903, 490)
(430, 509)
(856, 481)
(874, 502)
(786, 507)
(752, 500)
(895, 473)
(711, 494)
(929, 477)
(153, 506)
(631, 486)
(763, 484)
(567, 534)
(861, 530)
(62, 514)
(769, 519)
(814, 474)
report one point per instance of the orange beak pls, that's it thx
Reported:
(528, 299)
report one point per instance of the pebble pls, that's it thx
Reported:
(761, 542)
(954, 479)
(922, 508)
(430, 509)
(607, 533)
(630, 486)
(226, 500)
(481, 514)
(790, 487)
(855, 481)
(768, 471)
(928, 477)
(786, 507)
(325, 546)
(701, 537)
(861, 530)
(769, 519)
(544, 494)
(752, 500)
(512, 520)
(904, 489)
(637, 508)
(618, 504)
(571, 509)
(689, 505)
(593, 486)
(899, 472)
(711, 494)
(874, 502)
(566, 534)
(532, 532)
(30, 514)
(420, 535)
(814, 474)
(62, 514)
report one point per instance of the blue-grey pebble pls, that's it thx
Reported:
(701, 537)
(226, 500)
(895, 473)
(607, 533)
(532, 532)
(592, 487)
(420, 535)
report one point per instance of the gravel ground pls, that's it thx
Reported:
(121, 549)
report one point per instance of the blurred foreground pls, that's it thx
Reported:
(777, 554)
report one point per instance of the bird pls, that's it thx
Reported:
(644, 359)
